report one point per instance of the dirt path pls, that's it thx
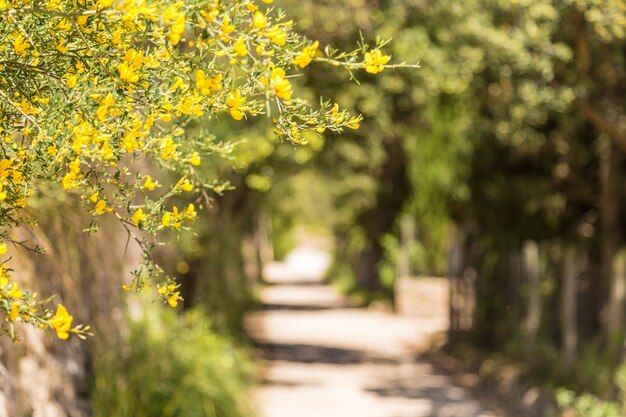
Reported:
(326, 359)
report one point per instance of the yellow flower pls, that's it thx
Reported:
(15, 291)
(240, 46)
(281, 85)
(138, 216)
(134, 58)
(304, 58)
(168, 149)
(195, 159)
(71, 80)
(61, 322)
(3, 248)
(69, 181)
(354, 123)
(191, 212)
(149, 184)
(171, 219)
(260, 50)
(185, 184)
(107, 151)
(15, 311)
(61, 46)
(64, 25)
(5, 167)
(335, 115)
(166, 219)
(209, 16)
(108, 100)
(27, 108)
(172, 300)
(127, 73)
(102, 112)
(277, 35)
(236, 102)
(259, 21)
(191, 104)
(227, 27)
(207, 84)
(75, 166)
(177, 30)
(20, 45)
(375, 61)
(101, 207)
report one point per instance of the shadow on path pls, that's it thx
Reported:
(291, 307)
(302, 353)
(325, 359)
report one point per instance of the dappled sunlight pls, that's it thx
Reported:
(325, 357)
(304, 264)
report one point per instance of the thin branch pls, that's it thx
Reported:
(24, 67)
(2, 93)
(604, 125)
(37, 10)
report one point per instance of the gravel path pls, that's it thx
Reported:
(325, 359)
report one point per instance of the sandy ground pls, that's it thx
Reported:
(324, 358)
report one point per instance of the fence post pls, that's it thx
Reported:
(533, 312)
(569, 303)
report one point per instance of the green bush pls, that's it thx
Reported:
(589, 405)
(172, 366)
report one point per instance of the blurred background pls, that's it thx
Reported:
(498, 164)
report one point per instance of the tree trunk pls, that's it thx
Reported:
(367, 277)
(376, 222)
(611, 183)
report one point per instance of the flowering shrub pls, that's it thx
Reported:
(90, 89)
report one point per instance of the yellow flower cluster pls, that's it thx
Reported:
(169, 293)
(87, 88)
(375, 61)
(23, 306)
(305, 57)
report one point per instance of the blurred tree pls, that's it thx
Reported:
(512, 129)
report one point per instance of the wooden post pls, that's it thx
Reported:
(455, 272)
(615, 309)
(533, 312)
(407, 235)
(569, 302)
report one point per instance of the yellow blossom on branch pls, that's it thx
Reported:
(304, 58)
(149, 184)
(61, 322)
(280, 84)
(375, 61)
(138, 216)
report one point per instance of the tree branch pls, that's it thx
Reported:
(604, 125)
